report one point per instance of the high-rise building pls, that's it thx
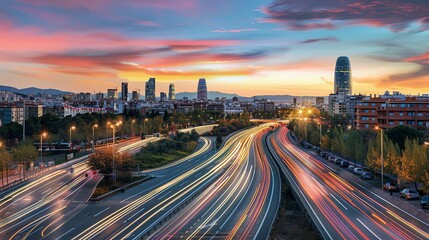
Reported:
(112, 93)
(171, 92)
(150, 90)
(343, 76)
(124, 91)
(135, 96)
(202, 90)
(163, 97)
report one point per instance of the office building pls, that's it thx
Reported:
(124, 91)
(171, 92)
(112, 93)
(343, 75)
(202, 90)
(163, 97)
(135, 96)
(150, 90)
(11, 113)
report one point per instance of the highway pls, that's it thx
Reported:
(341, 209)
(241, 204)
(60, 192)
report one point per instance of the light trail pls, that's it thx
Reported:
(346, 211)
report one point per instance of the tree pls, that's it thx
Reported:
(399, 133)
(102, 160)
(5, 158)
(411, 154)
(25, 153)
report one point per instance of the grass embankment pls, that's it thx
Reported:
(292, 222)
(153, 159)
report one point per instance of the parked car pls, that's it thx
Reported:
(366, 175)
(338, 161)
(391, 187)
(409, 194)
(425, 201)
(332, 158)
(357, 171)
(322, 154)
(351, 167)
(344, 163)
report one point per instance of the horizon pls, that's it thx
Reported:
(274, 47)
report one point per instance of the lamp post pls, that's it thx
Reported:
(107, 133)
(71, 128)
(93, 135)
(113, 151)
(42, 135)
(132, 128)
(320, 134)
(144, 127)
(382, 156)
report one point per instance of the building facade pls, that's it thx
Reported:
(112, 93)
(202, 90)
(124, 92)
(171, 92)
(150, 90)
(135, 96)
(343, 76)
(391, 112)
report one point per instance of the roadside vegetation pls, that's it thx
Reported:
(405, 154)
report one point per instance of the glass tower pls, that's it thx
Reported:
(150, 90)
(202, 90)
(343, 76)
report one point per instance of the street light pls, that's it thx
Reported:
(42, 135)
(93, 135)
(71, 128)
(113, 151)
(382, 156)
(132, 128)
(144, 127)
(107, 133)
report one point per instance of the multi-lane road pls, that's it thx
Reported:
(232, 193)
(341, 209)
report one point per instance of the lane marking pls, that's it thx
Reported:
(64, 234)
(367, 228)
(101, 212)
(338, 201)
(164, 195)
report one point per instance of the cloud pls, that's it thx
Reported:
(327, 39)
(234, 30)
(309, 14)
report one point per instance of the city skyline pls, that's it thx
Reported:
(243, 47)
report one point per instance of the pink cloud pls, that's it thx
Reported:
(148, 23)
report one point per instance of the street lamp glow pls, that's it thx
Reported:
(381, 155)
(93, 135)
(71, 128)
(42, 135)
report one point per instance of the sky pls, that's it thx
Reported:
(247, 47)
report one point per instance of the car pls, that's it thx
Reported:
(409, 194)
(391, 187)
(338, 161)
(322, 154)
(351, 167)
(357, 170)
(344, 163)
(425, 201)
(332, 158)
(366, 175)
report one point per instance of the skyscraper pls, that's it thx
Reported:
(171, 92)
(150, 90)
(202, 90)
(124, 91)
(135, 96)
(163, 97)
(343, 76)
